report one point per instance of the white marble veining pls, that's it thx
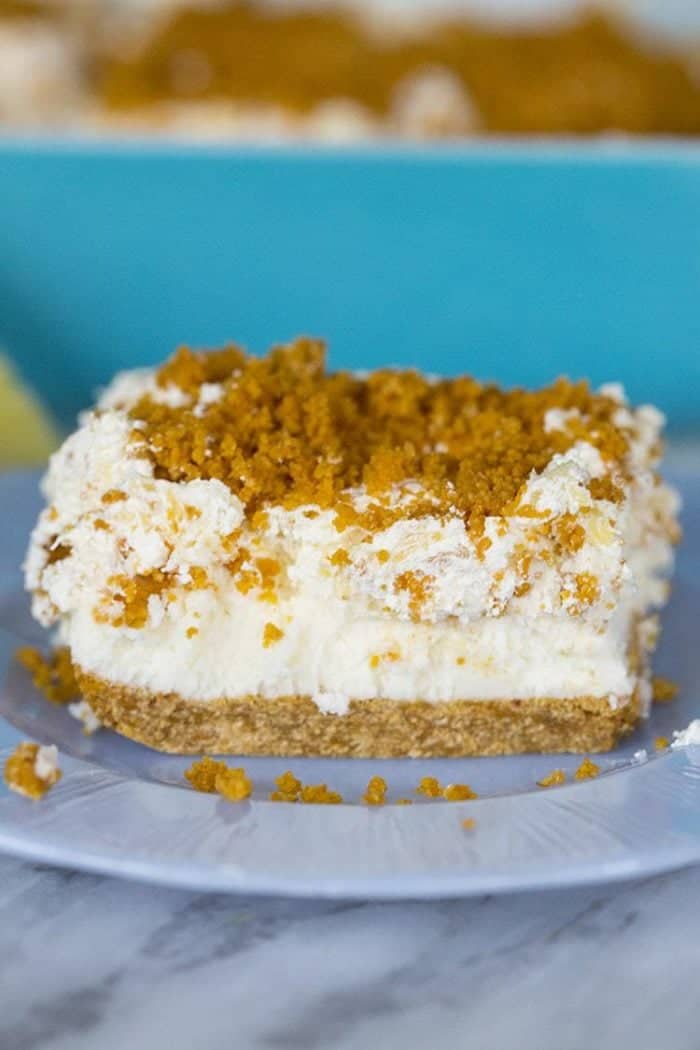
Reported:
(89, 963)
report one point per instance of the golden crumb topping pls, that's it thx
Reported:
(430, 787)
(664, 690)
(587, 770)
(556, 777)
(661, 743)
(21, 775)
(375, 793)
(458, 793)
(52, 674)
(571, 75)
(285, 431)
(469, 824)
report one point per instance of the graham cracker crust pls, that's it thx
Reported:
(294, 726)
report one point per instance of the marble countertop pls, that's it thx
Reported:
(91, 963)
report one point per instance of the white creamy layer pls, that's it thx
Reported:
(348, 630)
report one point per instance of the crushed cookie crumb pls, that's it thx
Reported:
(101, 525)
(458, 793)
(404, 802)
(113, 496)
(192, 632)
(553, 779)
(202, 774)
(587, 770)
(460, 661)
(288, 788)
(664, 690)
(340, 557)
(469, 823)
(661, 743)
(271, 634)
(430, 787)
(53, 675)
(233, 784)
(375, 793)
(319, 793)
(383, 556)
(287, 432)
(31, 770)
(215, 777)
(418, 585)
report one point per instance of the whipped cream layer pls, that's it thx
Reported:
(290, 604)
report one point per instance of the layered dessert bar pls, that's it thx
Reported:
(259, 556)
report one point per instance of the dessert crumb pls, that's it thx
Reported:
(375, 793)
(32, 770)
(430, 787)
(233, 784)
(557, 776)
(202, 774)
(458, 793)
(469, 824)
(288, 788)
(663, 690)
(587, 770)
(52, 674)
(319, 793)
(661, 743)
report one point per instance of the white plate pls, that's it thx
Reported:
(125, 810)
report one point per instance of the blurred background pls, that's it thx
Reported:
(423, 201)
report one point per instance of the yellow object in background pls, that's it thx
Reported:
(27, 435)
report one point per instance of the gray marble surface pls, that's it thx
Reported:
(91, 962)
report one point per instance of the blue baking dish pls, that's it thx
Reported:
(515, 263)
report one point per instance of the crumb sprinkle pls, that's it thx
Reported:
(458, 793)
(375, 792)
(31, 770)
(430, 787)
(215, 777)
(664, 690)
(587, 770)
(52, 675)
(553, 779)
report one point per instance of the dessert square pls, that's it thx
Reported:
(259, 556)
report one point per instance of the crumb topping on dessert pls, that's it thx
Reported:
(52, 674)
(32, 770)
(286, 432)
